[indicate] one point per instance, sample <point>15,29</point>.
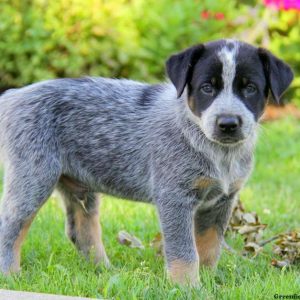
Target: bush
<point>285,42</point>
<point>47,39</point>
<point>43,39</point>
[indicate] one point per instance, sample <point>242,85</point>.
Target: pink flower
<point>283,4</point>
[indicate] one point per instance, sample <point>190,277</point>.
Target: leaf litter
<point>286,246</point>
<point>247,224</point>
<point>250,227</point>
<point>127,239</point>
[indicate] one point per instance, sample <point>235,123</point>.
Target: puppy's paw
<point>184,273</point>
<point>7,269</point>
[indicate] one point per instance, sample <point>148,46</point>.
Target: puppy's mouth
<point>228,140</point>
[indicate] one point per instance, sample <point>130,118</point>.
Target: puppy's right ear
<point>180,67</point>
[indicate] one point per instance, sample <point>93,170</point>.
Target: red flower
<point>205,14</point>
<point>219,16</point>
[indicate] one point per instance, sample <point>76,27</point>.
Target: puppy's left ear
<point>278,74</point>
<point>180,67</point>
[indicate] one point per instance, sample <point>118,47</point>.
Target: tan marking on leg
<point>15,267</point>
<point>204,183</point>
<point>88,236</point>
<point>208,246</point>
<point>182,272</point>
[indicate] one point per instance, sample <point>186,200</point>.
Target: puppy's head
<point>228,83</point>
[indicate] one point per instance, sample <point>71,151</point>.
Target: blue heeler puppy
<point>185,146</point>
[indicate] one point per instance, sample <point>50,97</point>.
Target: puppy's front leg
<point>180,250</point>
<point>210,226</point>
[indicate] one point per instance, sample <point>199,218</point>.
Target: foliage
<point>279,31</point>
<point>285,42</point>
<point>43,39</point>
<point>46,39</point>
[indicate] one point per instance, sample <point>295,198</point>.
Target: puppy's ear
<point>180,67</point>
<point>278,74</point>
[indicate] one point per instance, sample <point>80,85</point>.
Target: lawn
<point>51,264</point>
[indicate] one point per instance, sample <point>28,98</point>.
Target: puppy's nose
<point>228,123</point>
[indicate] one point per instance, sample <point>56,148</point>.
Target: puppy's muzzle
<point>228,128</point>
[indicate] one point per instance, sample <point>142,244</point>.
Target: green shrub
<point>285,42</point>
<point>47,39</point>
<point>43,39</point>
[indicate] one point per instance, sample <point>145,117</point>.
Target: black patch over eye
<point>250,89</point>
<point>207,89</point>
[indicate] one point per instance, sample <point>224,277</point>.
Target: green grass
<point>51,264</point>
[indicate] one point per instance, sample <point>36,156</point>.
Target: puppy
<point>185,146</point>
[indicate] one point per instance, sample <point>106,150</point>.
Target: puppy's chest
<point>211,190</point>
<point>208,188</point>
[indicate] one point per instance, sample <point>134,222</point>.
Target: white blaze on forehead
<point>226,102</point>
<point>227,56</point>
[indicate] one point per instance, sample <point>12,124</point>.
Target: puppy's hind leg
<point>82,223</point>
<point>25,190</point>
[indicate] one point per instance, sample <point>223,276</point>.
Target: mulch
<point>274,113</point>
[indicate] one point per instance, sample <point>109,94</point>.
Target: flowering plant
<point>283,4</point>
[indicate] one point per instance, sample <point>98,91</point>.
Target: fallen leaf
<point>157,244</point>
<point>247,229</point>
<point>125,238</point>
<point>248,225</point>
<point>287,246</point>
<point>249,218</point>
<point>280,263</point>
<point>253,248</point>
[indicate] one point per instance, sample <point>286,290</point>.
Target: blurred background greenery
<point>41,39</point>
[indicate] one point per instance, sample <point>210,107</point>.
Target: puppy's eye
<point>207,89</point>
<point>250,89</point>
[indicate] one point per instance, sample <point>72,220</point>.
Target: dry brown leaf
<point>237,215</point>
<point>287,246</point>
<point>125,238</point>
<point>249,229</point>
<point>280,263</point>
<point>248,225</point>
<point>157,244</point>
<point>249,218</point>
<point>252,248</point>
